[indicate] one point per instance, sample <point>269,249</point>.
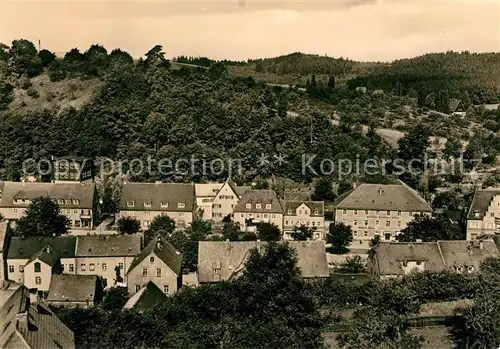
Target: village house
<point>145,201</point>
<point>225,201</point>
<point>27,324</point>
<point>205,194</point>
<point>77,201</point>
<point>456,107</point>
<point>307,213</point>
<point>224,260</point>
<point>33,261</point>
<point>146,298</point>
<point>73,168</point>
<point>101,254</point>
<point>483,217</point>
<point>159,262</point>
<point>82,291</point>
<point>394,259</point>
<point>378,209</point>
<point>258,206</point>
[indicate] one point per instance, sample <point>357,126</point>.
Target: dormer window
<point>268,206</point>
<point>131,203</point>
<point>147,203</point>
<point>164,205</point>
<point>60,201</point>
<point>248,205</point>
<point>316,211</point>
<point>289,211</point>
<point>181,205</point>
<point>259,206</point>
<point>67,202</point>
<point>75,201</point>
<point>470,269</point>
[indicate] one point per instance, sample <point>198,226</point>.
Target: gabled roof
<point>108,245</point>
<point>163,250</point>
<point>44,330</point>
<point>453,104</point>
<point>390,197</point>
<point>83,192</point>
<point>157,193</point>
<point>46,255</point>
<point>72,288</point>
<point>312,205</point>
<point>262,197</point>
<point>481,201</point>
<point>146,298</point>
<point>230,257</point>
<point>438,256</point>
<point>21,248</point>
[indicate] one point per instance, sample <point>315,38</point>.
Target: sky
<point>365,30</point>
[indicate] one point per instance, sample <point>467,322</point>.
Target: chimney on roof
<point>380,191</point>
<point>47,249</point>
<point>418,240</point>
<point>158,243</point>
<point>476,213</point>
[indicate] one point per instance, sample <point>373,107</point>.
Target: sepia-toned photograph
<point>249,174</point>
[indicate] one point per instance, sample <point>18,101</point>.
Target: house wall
<point>205,203</point>
<point>8,312</point>
<point>80,218</point>
<point>366,224</point>
<point>486,225</point>
<point>182,219</point>
<point>303,217</point>
<point>135,278</point>
<point>30,275</point>
<point>274,218</point>
<point>103,266</point>
<point>224,203</point>
<point>71,304</point>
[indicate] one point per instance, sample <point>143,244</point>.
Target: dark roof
<point>481,202</point>
<point>4,229</point>
<point>157,193</point>
<point>44,330</point>
<point>20,248</point>
<point>438,256</point>
<point>108,245</point>
<point>453,104</point>
<point>83,192</point>
<point>261,197</point>
<point>72,288</point>
<point>163,250</point>
<point>391,197</point>
<point>146,298</point>
<point>46,255</point>
<point>237,190</point>
<point>230,257</point>
<point>453,215</point>
<point>312,205</point>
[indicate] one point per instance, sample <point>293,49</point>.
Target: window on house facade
<point>71,268</point>
<point>91,267</point>
<point>410,213</point>
<point>181,204</point>
<point>273,216</point>
<point>38,280</point>
<point>11,268</point>
<point>165,289</point>
<point>104,267</point>
<point>137,288</point>
<point>492,214</point>
<point>355,222</point>
<point>344,211</point>
<point>60,201</point>
<point>387,223</point>
<point>399,213</point>
<point>216,270</point>
<point>158,272</point>
<point>366,222</point>
<point>365,233</point>
<point>131,203</point>
<point>78,224</point>
<point>266,215</point>
<point>14,210</point>
<point>144,272</point>
<point>355,233</point>
<point>151,259</point>
<point>355,212</point>
<point>21,268</point>
<point>120,265</point>
<point>83,267</point>
<point>388,213</point>
<point>399,223</point>
<point>75,211</point>
<point>37,267</point>
<point>164,205</point>
<point>366,212</point>
<point>289,211</point>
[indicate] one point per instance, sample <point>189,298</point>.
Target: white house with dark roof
<point>379,209</point>
<point>40,268</point>
<point>483,217</point>
<point>224,260</point>
<point>395,259</point>
<point>258,206</point>
<point>158,262</point>
<point>145,201</point>
<point>100,254</point>
<point>225,201</point>
<point>77,201</point>
<point>307,213</point>
<point>205,194</point>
